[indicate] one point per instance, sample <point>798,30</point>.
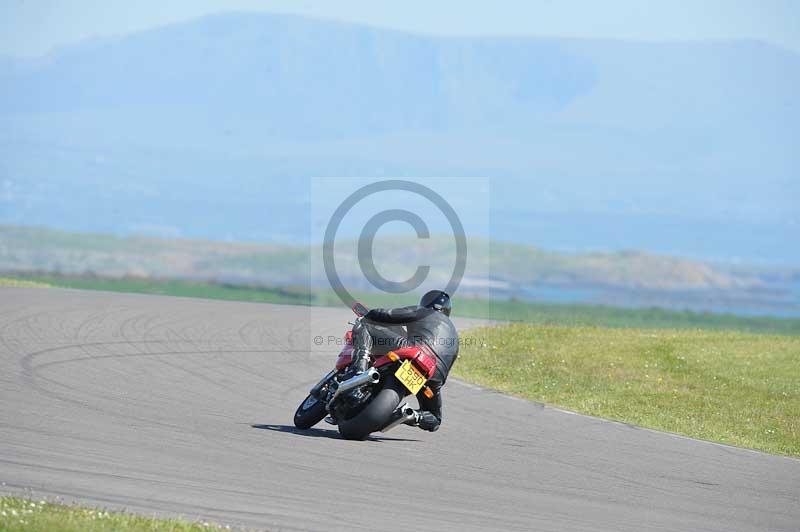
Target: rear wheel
<point>376,414</point>
<point>309,413</point>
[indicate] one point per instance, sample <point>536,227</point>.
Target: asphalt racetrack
<point>177,406</point>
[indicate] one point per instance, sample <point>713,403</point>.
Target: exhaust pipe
<point>402,414</point>
<point>371,376</point>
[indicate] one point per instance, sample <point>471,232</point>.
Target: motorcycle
<point>361,403</point>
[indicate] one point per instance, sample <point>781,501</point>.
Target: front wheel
<point>376,414</point>
<point>309,413</point>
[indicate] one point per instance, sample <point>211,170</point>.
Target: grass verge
<point>501,310</point>
<point>20,514</point>
<point>731,387</point>
<point>22,283</point>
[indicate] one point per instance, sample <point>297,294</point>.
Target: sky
<point>34,27</point>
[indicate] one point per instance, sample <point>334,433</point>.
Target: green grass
<point>514,310</point>
<point>41,516</point>
<point>605,316</point>
<point>141,285</point>
<point>22,283</point>
<point>731,387</point>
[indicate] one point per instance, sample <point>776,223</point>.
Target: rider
<point>427,323</point>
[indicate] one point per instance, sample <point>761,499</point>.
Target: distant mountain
<point>211,128</point>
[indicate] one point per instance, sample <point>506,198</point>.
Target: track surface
<point>182,406</point>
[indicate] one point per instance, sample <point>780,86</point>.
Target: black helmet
<point>437,300</point>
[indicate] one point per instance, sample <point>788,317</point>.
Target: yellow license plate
<point>410,377</point>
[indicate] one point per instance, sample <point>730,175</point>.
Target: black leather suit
<point>381,331</point>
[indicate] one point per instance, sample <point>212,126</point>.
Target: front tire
<point>309,413</point>
<point>376,414</point>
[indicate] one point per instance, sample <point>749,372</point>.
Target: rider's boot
<point>425,420</point>
<point>413,421</point>
<point>361,360</point>
<point>362,345</point>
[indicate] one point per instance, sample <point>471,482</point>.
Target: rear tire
<point>309,413</point>
<point>376,414</point>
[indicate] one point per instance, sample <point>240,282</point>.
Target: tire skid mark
<point>187,483</point>
<point>32,376</point>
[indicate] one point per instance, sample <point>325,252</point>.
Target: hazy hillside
<point>494,269</point>
<point>209,129</point>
